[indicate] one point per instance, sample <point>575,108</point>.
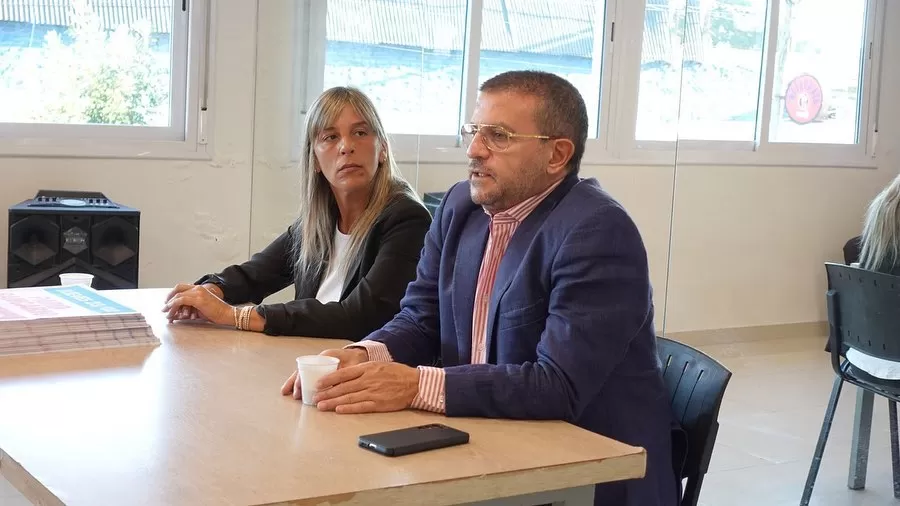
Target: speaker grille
<point>34,239</point>
<point>112,240</point>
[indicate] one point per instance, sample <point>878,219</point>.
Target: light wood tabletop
<point>200,419</point>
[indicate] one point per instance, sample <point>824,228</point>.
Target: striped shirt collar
<point>521,210</point>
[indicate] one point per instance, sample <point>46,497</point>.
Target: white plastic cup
<point>311,368</point>
<point>76,278</point>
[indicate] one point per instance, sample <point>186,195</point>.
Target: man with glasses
<point>532,298</point>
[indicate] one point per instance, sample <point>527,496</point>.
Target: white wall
<point>748,246</point>
<point>275,176</point>
<point>187,226</point>
<point>749,242</point>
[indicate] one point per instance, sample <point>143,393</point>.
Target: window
<point>660,75</point>
<point>704,67</point>
<point>97,69</point>
<point>407,56</point>
<point>777,82</point>
<point>701,68</point>
<point>537,34</point>
<point>819,64</point>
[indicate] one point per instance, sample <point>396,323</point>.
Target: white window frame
<point>761,152</point>
<point>620,45</point>
<point>188,137</point>
<point>428,149</point>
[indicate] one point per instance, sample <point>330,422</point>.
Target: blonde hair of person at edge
<point>352,250</point>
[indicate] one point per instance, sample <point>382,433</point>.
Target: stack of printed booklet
<point>72,317</point>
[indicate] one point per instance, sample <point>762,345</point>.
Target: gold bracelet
<point>234,311</point>
<point>245,317</point>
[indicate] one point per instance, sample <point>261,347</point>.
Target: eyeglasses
<point>495,138</point>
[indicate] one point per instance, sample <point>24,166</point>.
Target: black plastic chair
<point>863,314</point>
<point>851,255</point>
<point>696,385</point>
<point>433,200</point>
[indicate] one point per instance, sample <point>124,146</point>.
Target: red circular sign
<point>803,99</point>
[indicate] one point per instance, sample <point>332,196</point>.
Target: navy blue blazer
<point>570,326</point>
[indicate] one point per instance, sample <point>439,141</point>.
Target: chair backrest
<point>863,311</point>
<point>432,201</point>
<point>696,384</point>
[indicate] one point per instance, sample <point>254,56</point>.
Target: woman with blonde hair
<point>880,251</point>
<point>349,255</point>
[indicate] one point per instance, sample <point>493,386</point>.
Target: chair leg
<point>823,438</point>
<point>862,436</point>
<point>895,448</point>
<point>692,492</point>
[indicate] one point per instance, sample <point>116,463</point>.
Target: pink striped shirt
<point>432,387</point>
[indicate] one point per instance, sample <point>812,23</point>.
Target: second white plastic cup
<point>311,368</point>
<point>76,278</point>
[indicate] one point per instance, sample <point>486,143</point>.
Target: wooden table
<point>200,420</point>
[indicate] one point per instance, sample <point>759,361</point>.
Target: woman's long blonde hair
<point>880,249</point>
<point>313,231</point>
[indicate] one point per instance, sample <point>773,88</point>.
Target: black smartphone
<point>413,439</point>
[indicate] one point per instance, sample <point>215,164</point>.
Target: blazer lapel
<point>308,285</point>
<point>515,250</point>
<point>352,276</point>
<point>472,243</point>
<point>509,264</point>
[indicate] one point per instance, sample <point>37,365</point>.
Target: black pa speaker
<point>69,231</point>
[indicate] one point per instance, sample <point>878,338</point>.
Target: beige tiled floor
<point>770,421</point>
<point>769,424</point>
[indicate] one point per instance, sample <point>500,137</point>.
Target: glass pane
<point>406,55</point>
<point>818,68</point>
<point>660,78</point>
<point>539,35</point>
<point>701,65</point>
<point>80,62</point>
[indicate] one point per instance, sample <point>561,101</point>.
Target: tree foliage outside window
<point>87,75</point>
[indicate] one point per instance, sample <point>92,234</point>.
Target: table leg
<point>579,496</point>
<point>862,433</point>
